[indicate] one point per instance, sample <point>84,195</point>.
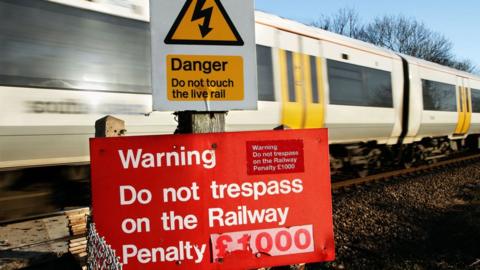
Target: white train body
<point>346,123</point>
<point>457,120</point>
<point>308,78</point>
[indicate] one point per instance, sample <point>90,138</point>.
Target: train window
<point>439,96</point>
<point>313,75</point>
<point>265,73</point>
<point>292,95</point>
<point>48,45</point>
<point>475,100</point>
<point>355,85</point>
<point>379,85</point>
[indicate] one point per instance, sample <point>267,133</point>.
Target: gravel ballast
<point>430,221</point>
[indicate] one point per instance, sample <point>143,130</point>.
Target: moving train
<point>67,63</point>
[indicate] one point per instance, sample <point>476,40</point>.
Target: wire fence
<point>101,256</point>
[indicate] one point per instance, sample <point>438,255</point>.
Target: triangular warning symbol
<point>203,22</point>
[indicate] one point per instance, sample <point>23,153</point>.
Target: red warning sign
<point>214,201</point>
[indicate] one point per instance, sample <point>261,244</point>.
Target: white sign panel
<point>203,54</point>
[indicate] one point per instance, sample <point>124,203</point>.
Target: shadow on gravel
<point>66,262</point>
<point>41,261</point>
<point>450,240</point>
<point>411,236</point>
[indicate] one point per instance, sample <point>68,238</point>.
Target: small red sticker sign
<point>241,200</point>
<point>275,157</point>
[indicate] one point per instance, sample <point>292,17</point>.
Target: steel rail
<point>388,175</point>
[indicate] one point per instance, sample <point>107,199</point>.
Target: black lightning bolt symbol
<point>206,14</point>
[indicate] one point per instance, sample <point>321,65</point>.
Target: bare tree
<point>465,65</point>
<point>408,36</point>
<point>398,33</point>
<point>345,22</point>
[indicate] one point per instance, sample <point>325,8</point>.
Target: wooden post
<point>200,122</point>
<point>109,126</point>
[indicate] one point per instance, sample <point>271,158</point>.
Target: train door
<point>314,83</point>
<point>464,107</point>
<point>468,103</point>
<point>292,80</point>
<point>302,86</point>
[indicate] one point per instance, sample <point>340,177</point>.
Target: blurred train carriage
<point>66,63</point>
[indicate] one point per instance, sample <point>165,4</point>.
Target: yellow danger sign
<point>205,77</point>
<point>204,22</point>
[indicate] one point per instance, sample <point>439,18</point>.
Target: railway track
<point>403,172</point>
<point>31,192</point>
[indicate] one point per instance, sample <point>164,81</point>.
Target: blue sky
<point>456,20</point>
